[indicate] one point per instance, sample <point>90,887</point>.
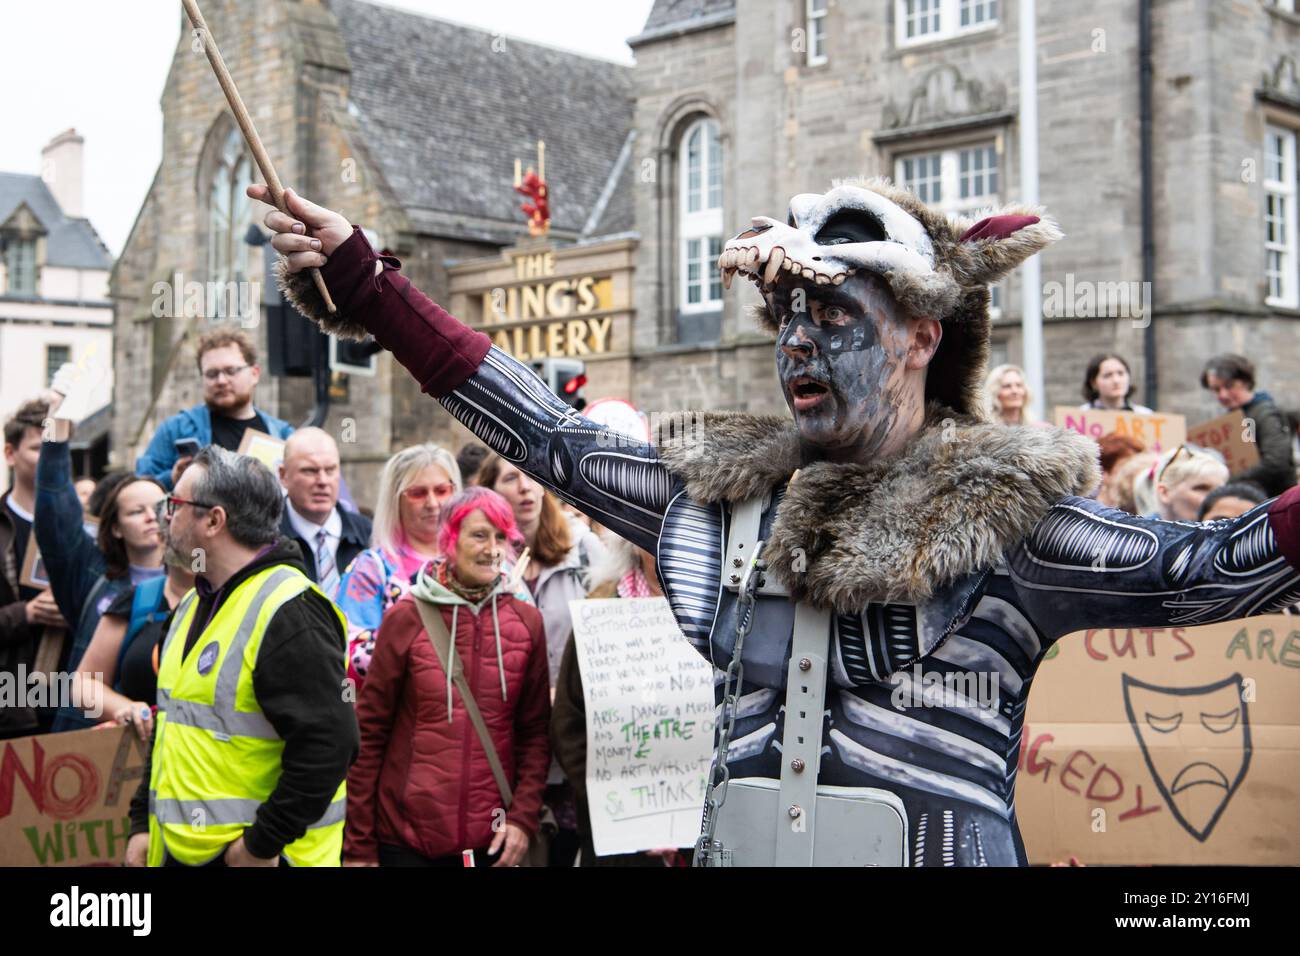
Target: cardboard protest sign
<point>33,573</point>
<point>64,798</point>
<point>1165,746</point>
<point>649,701</point>
<point>1159,432</point>
<point>1227,435</point>
<point>269,451</point>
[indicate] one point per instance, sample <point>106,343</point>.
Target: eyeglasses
<point>420,492</point>
<point>167,507</point>
<point>230,371</point>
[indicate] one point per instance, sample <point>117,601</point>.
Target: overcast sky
<point>100,65</point>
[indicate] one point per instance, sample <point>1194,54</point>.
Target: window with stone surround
<point>1281,266</point>
<point>55,358</point>
<point>700,217</point>
<point>815,20</point>
<point>960,181</point>
<point>924,21</point>
<point>1288,5</point>
<point>229,171</point>
<point>20,265</point>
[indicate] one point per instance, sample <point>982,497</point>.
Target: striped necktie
<point>327,572</point>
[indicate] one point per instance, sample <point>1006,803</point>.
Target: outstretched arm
<point>1087,566</point>
<point>617,481</point>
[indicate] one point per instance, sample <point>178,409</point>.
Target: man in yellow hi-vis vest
<point>255,727</point>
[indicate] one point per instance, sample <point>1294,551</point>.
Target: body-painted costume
<point>968,553</point>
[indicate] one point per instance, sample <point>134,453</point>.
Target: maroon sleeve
<point>376,710</point>
<point>1284,519</point>
<point>532,726</point>
<point>435,347</point>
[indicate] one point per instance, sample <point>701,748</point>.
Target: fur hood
<point>846,535</point>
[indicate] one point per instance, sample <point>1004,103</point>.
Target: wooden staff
<point>246,126</point>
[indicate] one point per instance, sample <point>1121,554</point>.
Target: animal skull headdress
<point>937,266</point>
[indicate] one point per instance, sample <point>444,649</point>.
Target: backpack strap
<point>144,607</point>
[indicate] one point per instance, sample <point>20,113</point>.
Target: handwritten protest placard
<point>649,724</point>
<point>1159,432</point>
<point>1227,435</point>
<point>64,798</point>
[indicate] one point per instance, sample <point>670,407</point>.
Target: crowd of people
<point>1186,483</point>
<point>398,684</point>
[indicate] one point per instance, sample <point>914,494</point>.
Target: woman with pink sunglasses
<point>412,488</point>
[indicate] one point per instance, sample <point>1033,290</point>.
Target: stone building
<point>799,94</point>
<point>54,304</point>
<point>406,124</point>
<point>411,126</point>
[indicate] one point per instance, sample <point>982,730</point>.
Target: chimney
<point>61,170</point>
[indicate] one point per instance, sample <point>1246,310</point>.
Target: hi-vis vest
<point>216,757</point>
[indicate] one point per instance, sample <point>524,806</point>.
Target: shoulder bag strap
<point>445,648</point>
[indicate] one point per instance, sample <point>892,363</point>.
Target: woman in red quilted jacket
<point>423,791</point>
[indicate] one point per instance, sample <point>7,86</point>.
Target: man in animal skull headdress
<point>912,553</point>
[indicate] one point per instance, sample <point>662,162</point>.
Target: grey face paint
<point>835,365</point>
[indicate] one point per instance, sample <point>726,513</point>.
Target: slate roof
<point>69,243</point>
<point>671,17</point>
<point>445,116</point>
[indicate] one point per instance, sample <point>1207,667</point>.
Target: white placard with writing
<point>649,701</point>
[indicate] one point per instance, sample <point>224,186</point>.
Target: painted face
<point>839,354</point>
<point>842,339</point>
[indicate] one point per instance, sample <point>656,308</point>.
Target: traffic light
<point>564,377</point>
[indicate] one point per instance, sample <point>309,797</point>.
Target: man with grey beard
<point>255,729</point>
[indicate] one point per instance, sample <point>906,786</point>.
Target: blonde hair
<point>1173,468</point>
<point>399,471</point>
<point>993,384</point>
<point>1124,485</point>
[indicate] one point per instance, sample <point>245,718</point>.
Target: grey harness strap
<point>743,535</point>
<point>801,743</point>
<point>805,694</point>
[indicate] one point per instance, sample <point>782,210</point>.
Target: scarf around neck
<point>474,595</point>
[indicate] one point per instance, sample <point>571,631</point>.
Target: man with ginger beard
<point>837,564</point>
<point>228,366</point>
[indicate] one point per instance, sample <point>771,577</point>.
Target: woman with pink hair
<point>425,790</point>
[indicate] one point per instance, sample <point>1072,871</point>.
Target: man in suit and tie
<point>328,536</point>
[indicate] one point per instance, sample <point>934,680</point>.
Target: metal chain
<point>708,851</point>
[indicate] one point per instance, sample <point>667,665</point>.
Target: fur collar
<point>900,529</point>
